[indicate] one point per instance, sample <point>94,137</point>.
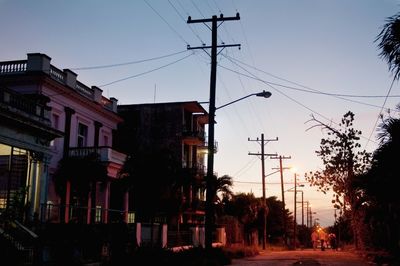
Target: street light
<point>315,221</point>
<point>210,219</point>
<point>265,94</point>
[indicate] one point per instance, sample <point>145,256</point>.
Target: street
<point>306,257</point>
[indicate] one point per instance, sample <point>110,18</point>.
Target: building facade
<point>25,154</point>
<point>167,140</point>
<point>81,122</point>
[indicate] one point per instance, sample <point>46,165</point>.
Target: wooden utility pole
<point>295,212</point>
<point>210,209</point>
<point>262,154</point>
<point>281,168</point>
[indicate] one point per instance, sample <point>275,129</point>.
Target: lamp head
<point>293,169</point>
<point>265,94</point>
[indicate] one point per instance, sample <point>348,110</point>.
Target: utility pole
<point>283,195</point>
<point>302,206</point>
<point>210,209</point>
<point>307,214</point>
<point>262,143</point>
<point>295,212</point>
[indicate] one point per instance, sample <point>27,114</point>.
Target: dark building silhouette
<point>166,144</point>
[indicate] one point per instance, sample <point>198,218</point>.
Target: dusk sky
<point>314,56</point>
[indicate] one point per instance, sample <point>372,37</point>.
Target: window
<point>98,214</point>
<point>131,217</point>
<point>82,135</point>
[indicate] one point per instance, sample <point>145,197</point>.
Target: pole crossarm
<point>283,157</point>
<point>220,18</point>
<point>265,154</point>
<point>208,46</point>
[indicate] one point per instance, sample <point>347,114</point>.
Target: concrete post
<point>97,94</point>
<point>70,78</point>
<point>195,236</point>
<point>221,235</point>
<point>202,237</point>
<point>114,104</point>
<point>139,234</point>
<point>38,62</point>
<point>164,236</point>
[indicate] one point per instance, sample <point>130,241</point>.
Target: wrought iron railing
<point>21,66</point>
<point>23,103</point>
<point>106,154</point>
<point>52,213</point>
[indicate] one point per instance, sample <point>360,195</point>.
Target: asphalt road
<point>307,257</point>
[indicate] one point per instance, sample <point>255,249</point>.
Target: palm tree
<point>380,189</point>
<point>389,43</point>
<point>223,186</point>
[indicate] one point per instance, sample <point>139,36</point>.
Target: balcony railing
<point>51,213</point>
<point>13,67</point>
<point>21,66</point>
<point>204,147</point>
<point>25,104</point>
<point>195,168</point>
<point>200,134</point>
<point>107,154</point>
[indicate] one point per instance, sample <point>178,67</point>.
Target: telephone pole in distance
<point>262,142</point>
<point>283,195</point>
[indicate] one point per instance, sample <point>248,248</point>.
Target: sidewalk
<point>303,257</point>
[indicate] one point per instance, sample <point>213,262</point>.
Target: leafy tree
<point>389,43</point>
<point>344,162</point>
<point>249,210</point>
<point>246,207</point>
<point>274,219</point>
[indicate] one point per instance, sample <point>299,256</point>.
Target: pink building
<point>87,120</point>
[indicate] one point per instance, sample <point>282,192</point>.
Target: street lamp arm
<point>265,94</point>
<point>291,189</point>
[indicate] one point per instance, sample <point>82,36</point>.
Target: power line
<point>247,166</point>
<point>270,84</point>
<point>380,113</point>
<point>197,8</point>
<point>128,63</point>
<point>179,14</point>
<point>166,22</point>
<point>146,72</point>
<point>308,89</point>
<point>287,96</point>
<point>268,183</point>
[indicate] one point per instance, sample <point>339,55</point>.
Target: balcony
<point>107,154</point>
<point>193,137</point>
<point>24,106</point>
<point>195,169</point>
<point>203,147</point>
<point>41,63</point>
